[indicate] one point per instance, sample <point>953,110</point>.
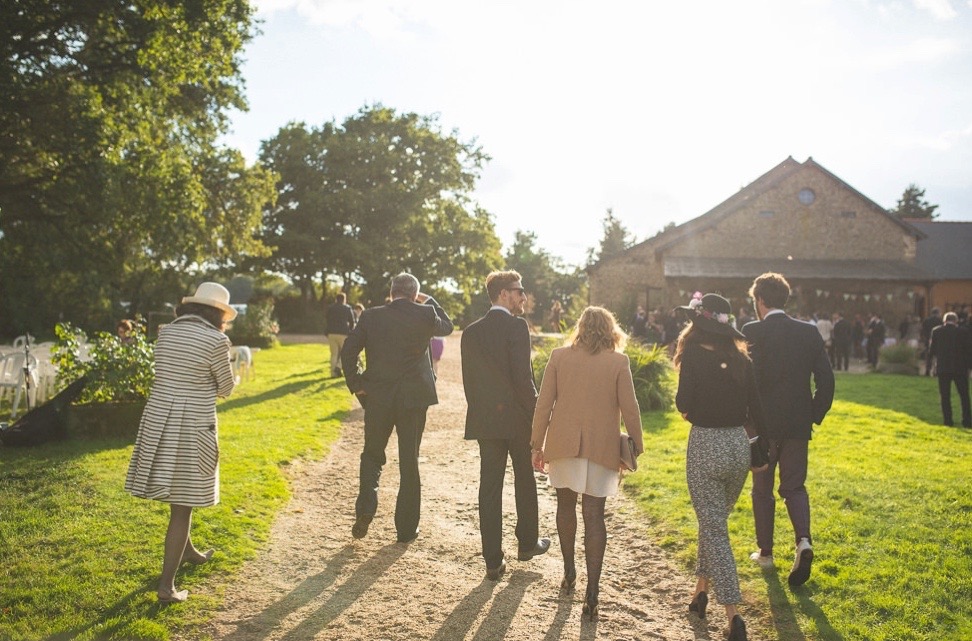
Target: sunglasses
<point>515,289</point>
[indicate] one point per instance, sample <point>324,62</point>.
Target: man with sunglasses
<point>501,394</point>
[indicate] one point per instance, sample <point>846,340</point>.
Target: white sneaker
<point>765,562</point>
<point>801,563</point>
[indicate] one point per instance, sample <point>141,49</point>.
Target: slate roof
<point>885,270</point>
<point>946,251</point>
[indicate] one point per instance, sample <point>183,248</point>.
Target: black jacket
<point>952,346</point>
<point>395,338</point>
<point>340,319</point>
<point>786,354</point>
<point>498,378</point>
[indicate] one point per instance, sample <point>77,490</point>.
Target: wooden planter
<point>100,420</point>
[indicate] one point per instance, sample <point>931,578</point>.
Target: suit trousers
<point>409,422</point>
<point>492,472</point>
<point>945,391</point>
<point>791,457</point>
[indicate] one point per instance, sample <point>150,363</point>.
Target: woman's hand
<point>538,460</point>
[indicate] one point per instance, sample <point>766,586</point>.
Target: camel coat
<point>582,399</point>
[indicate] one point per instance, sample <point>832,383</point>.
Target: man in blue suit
<point>786,354</point>
<point>395,391</point>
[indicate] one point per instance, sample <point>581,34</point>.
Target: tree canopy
<point>112,185</point>
<point>614,240</point>
<point>912,204</point>
<point>378,194</point>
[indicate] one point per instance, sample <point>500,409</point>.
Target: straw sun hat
<point>214,295</point>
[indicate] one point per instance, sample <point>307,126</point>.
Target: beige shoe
<point>765,562</point>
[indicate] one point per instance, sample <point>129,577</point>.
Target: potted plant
<point>119,373</point>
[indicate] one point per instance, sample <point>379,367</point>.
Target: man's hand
<point>421,298</point>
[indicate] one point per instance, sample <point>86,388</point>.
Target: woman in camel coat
<point>587,389</point>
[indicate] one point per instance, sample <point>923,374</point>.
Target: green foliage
<point>257,327</point>
<point>912,204</point>
<point>379,194</point>
<point>546,279</point>
<point>651,370</point>
<point>899,354</point>
<point>113,185</point>
<point>116,370</point>
<point>887,485</point>
<point>82,557</point>
<point>614,241</point>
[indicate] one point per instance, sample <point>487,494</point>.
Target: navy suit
<point>787,354</point>
<point>399,386</point>
<point>498,381</point>
<point>951,347</point>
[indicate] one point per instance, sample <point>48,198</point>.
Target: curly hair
<point>597,329</point>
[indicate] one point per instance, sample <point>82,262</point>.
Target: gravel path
<point>314,581</point>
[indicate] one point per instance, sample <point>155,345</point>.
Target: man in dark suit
<point>951,346</point>
<point>395,390</point>
<point>786,354</point>
<point>340,321</point>
<point>498,381</point>
<point>842,342</point>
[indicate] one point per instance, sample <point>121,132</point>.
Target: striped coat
<point>176,455</point>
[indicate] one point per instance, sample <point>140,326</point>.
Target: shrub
<point>257,327</point>
<point>651,369</point>
<point>116,370</point>
<point>899,358</point>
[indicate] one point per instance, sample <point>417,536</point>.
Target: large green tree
<point>614,239</point>
<point>546,278</point>
<point>112,184</point>
<point>380,193</point>
<point>912,204</point>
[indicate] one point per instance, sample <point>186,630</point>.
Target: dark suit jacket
<point>952,346</point>
<point>340,319</point>
<point>395,338</point>
<point>498,378</point>
<point>786,354</point>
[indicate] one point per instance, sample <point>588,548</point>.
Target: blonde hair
<point>597,329</point>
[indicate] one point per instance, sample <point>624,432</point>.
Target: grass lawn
<point>891,508</point>
<point>81,558</point>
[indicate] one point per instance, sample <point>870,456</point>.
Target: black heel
<point>699,604</point>
<point>590,605</point>
<point>570,578</point>
<point>737,629</point>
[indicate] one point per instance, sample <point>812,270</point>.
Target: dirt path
<point>315,582</point>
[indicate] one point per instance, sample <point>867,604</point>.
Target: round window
<point>806,196</point>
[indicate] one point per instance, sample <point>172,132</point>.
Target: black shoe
<point>699,604</point>
<point>360,528</point>
<point>540,548</point>
<point>590,605</point>
<point>801,564</point>
<point>493,574</point>
<point>737,629</point>
<point>408,538</point>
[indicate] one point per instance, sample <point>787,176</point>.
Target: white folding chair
<point>13,382</point>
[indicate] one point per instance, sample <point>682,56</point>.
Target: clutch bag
<point>629,459</point>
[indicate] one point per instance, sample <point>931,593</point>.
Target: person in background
<point>587,388</point>
<point>841,342</point>
<point>639,325</point>
<point>876,332</point>
<point>436,349</point>
<point>340,322</point>
<point>933,320</point>
<point>787,355</point>
<point>951,347</point>
<point>176,454</point>
<point>717,394</point>
<point>826,328</point>
<point>125,330</point>
<point>357,308</point>
<point>857,337</point>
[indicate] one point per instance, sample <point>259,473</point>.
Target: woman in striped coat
<point>176,455</point>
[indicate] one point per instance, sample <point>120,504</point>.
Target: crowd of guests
<point>751,387</point>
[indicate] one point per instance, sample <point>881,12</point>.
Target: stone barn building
<point>838,249</point>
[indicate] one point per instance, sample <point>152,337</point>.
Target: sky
<point>657,110</point>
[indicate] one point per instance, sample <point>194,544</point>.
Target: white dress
<point>583,476</point>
